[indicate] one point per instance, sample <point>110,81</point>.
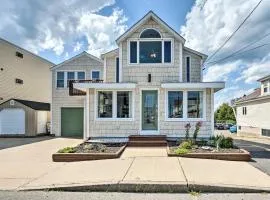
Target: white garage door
<point>12,121</point>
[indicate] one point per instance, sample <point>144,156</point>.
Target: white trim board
<point>105,85</point>
<point>215,85</point>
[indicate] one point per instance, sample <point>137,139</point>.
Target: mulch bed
<point>108,148</point>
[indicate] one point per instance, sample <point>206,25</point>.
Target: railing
<point>76,92</point>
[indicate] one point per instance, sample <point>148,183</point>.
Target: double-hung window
<point>60,79</point>
<point>175,104</point>
<point>81,76</point>
<point>70,77</point>
<point>150,48</point>
<point>95,75</point>
<point>114,104</point>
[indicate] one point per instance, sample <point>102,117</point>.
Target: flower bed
<point>208,152</point>
<point>89,151</point>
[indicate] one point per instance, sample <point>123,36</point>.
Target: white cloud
<point>58,25</point>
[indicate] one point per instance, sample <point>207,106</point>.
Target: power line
<point>257,47</point>
<point>235,31</point>
<point>239,50</point>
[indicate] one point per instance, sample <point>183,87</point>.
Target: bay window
<point>114,104</point>
<point>195,104</point>
<point>175,104</point>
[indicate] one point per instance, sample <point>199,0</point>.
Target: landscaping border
<point>245,156</point>
<point>73,157</point>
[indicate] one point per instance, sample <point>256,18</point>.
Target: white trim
<point>149,28</point>
<point>94,70</point>
<point>203,56</point>
<point>87,114</point>
<point>185,105</point>
<point>215,85</point>
<point>212,112</point>
<point>104,70</point>
<point>120,63</point>
<point>180,62</point>
<point>162,40</point>
<point>114,105</point>
<point>145,132</point>
<point>105,86</point>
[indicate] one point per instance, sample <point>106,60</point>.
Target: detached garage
<point>22,117</point>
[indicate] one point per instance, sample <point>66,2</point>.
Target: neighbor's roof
<point>84,53</point>
<point>32,104</point>
<point>254,96</point>
<point>148,16</point>
<point>264,78</point>
<point>22,49</point>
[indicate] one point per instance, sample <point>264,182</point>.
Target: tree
<point>224,113</point>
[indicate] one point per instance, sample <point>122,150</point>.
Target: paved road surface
<point>260,154</point>
<point>124,196</point>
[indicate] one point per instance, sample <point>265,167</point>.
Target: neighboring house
<point>152,84</point>
<point>24,77</point>
<point>252,111</point>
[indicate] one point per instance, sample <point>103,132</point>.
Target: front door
<point>149,110</point>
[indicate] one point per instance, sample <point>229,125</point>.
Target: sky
<point>58,30</point>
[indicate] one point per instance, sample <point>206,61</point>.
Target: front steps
<point>147,141</point>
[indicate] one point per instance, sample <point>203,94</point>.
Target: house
<point>24,77</point>
<point>150,85</point>
<point>23,118</point>
<point>252,111</point>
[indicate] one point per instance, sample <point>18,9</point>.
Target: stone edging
<point>245,156</point>
<point>72,157</point>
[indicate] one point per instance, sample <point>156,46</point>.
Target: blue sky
<point>58,30</point>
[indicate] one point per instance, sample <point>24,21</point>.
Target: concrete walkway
<point>30,167</point>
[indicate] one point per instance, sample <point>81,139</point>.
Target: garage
<point>23,118</point>
<point>12,121</point>
<point>72,122</point>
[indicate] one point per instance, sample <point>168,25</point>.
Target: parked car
<point>228,126</point>
<point>220,126</point>
<point>233,129</point>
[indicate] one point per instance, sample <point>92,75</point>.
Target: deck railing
<point>76,92</point>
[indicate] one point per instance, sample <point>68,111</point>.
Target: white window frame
<point>114,105</point>
<point>138,40</point>
<point>185,105</point>
<point>65,77</point>
<point>95,71</point>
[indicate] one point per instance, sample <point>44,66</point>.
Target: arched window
<point>150,33</point>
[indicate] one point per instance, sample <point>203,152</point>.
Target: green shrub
<point>227,143</point>
<point>186,145</point>
<point>221,141</point>
<point>181,151</point>
<point>67,150</point>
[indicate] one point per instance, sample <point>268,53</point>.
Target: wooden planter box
<point>244,156</point>
<point>73,157</point>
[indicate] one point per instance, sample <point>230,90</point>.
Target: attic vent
<point>12,103</point>
<point>18,54</point>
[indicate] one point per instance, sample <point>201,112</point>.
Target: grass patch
<point>67,150</point>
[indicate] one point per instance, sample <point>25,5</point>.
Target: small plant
<point>186,145</point>
<point>187,127</point>
<point>196,131</point>
<point>67,150</point>
<point>181,151</point>
<point>95,147</point>
<point>194,193</point>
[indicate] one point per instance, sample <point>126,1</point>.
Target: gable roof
<point>148,16</point>
<point>110,53</point>
<point>264,78</point>
<point>32,104</point>
<point>84,53</point>
<point>22,49</point>
<point>204,56</point>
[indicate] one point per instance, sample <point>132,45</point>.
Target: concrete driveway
<point>25,159</point>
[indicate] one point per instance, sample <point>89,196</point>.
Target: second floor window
<point>150,48</point>
<point>188,68</point>
<point>63,78</point>
<point>70,77</point>
<point>60,79</point>
<point>95,75</point>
